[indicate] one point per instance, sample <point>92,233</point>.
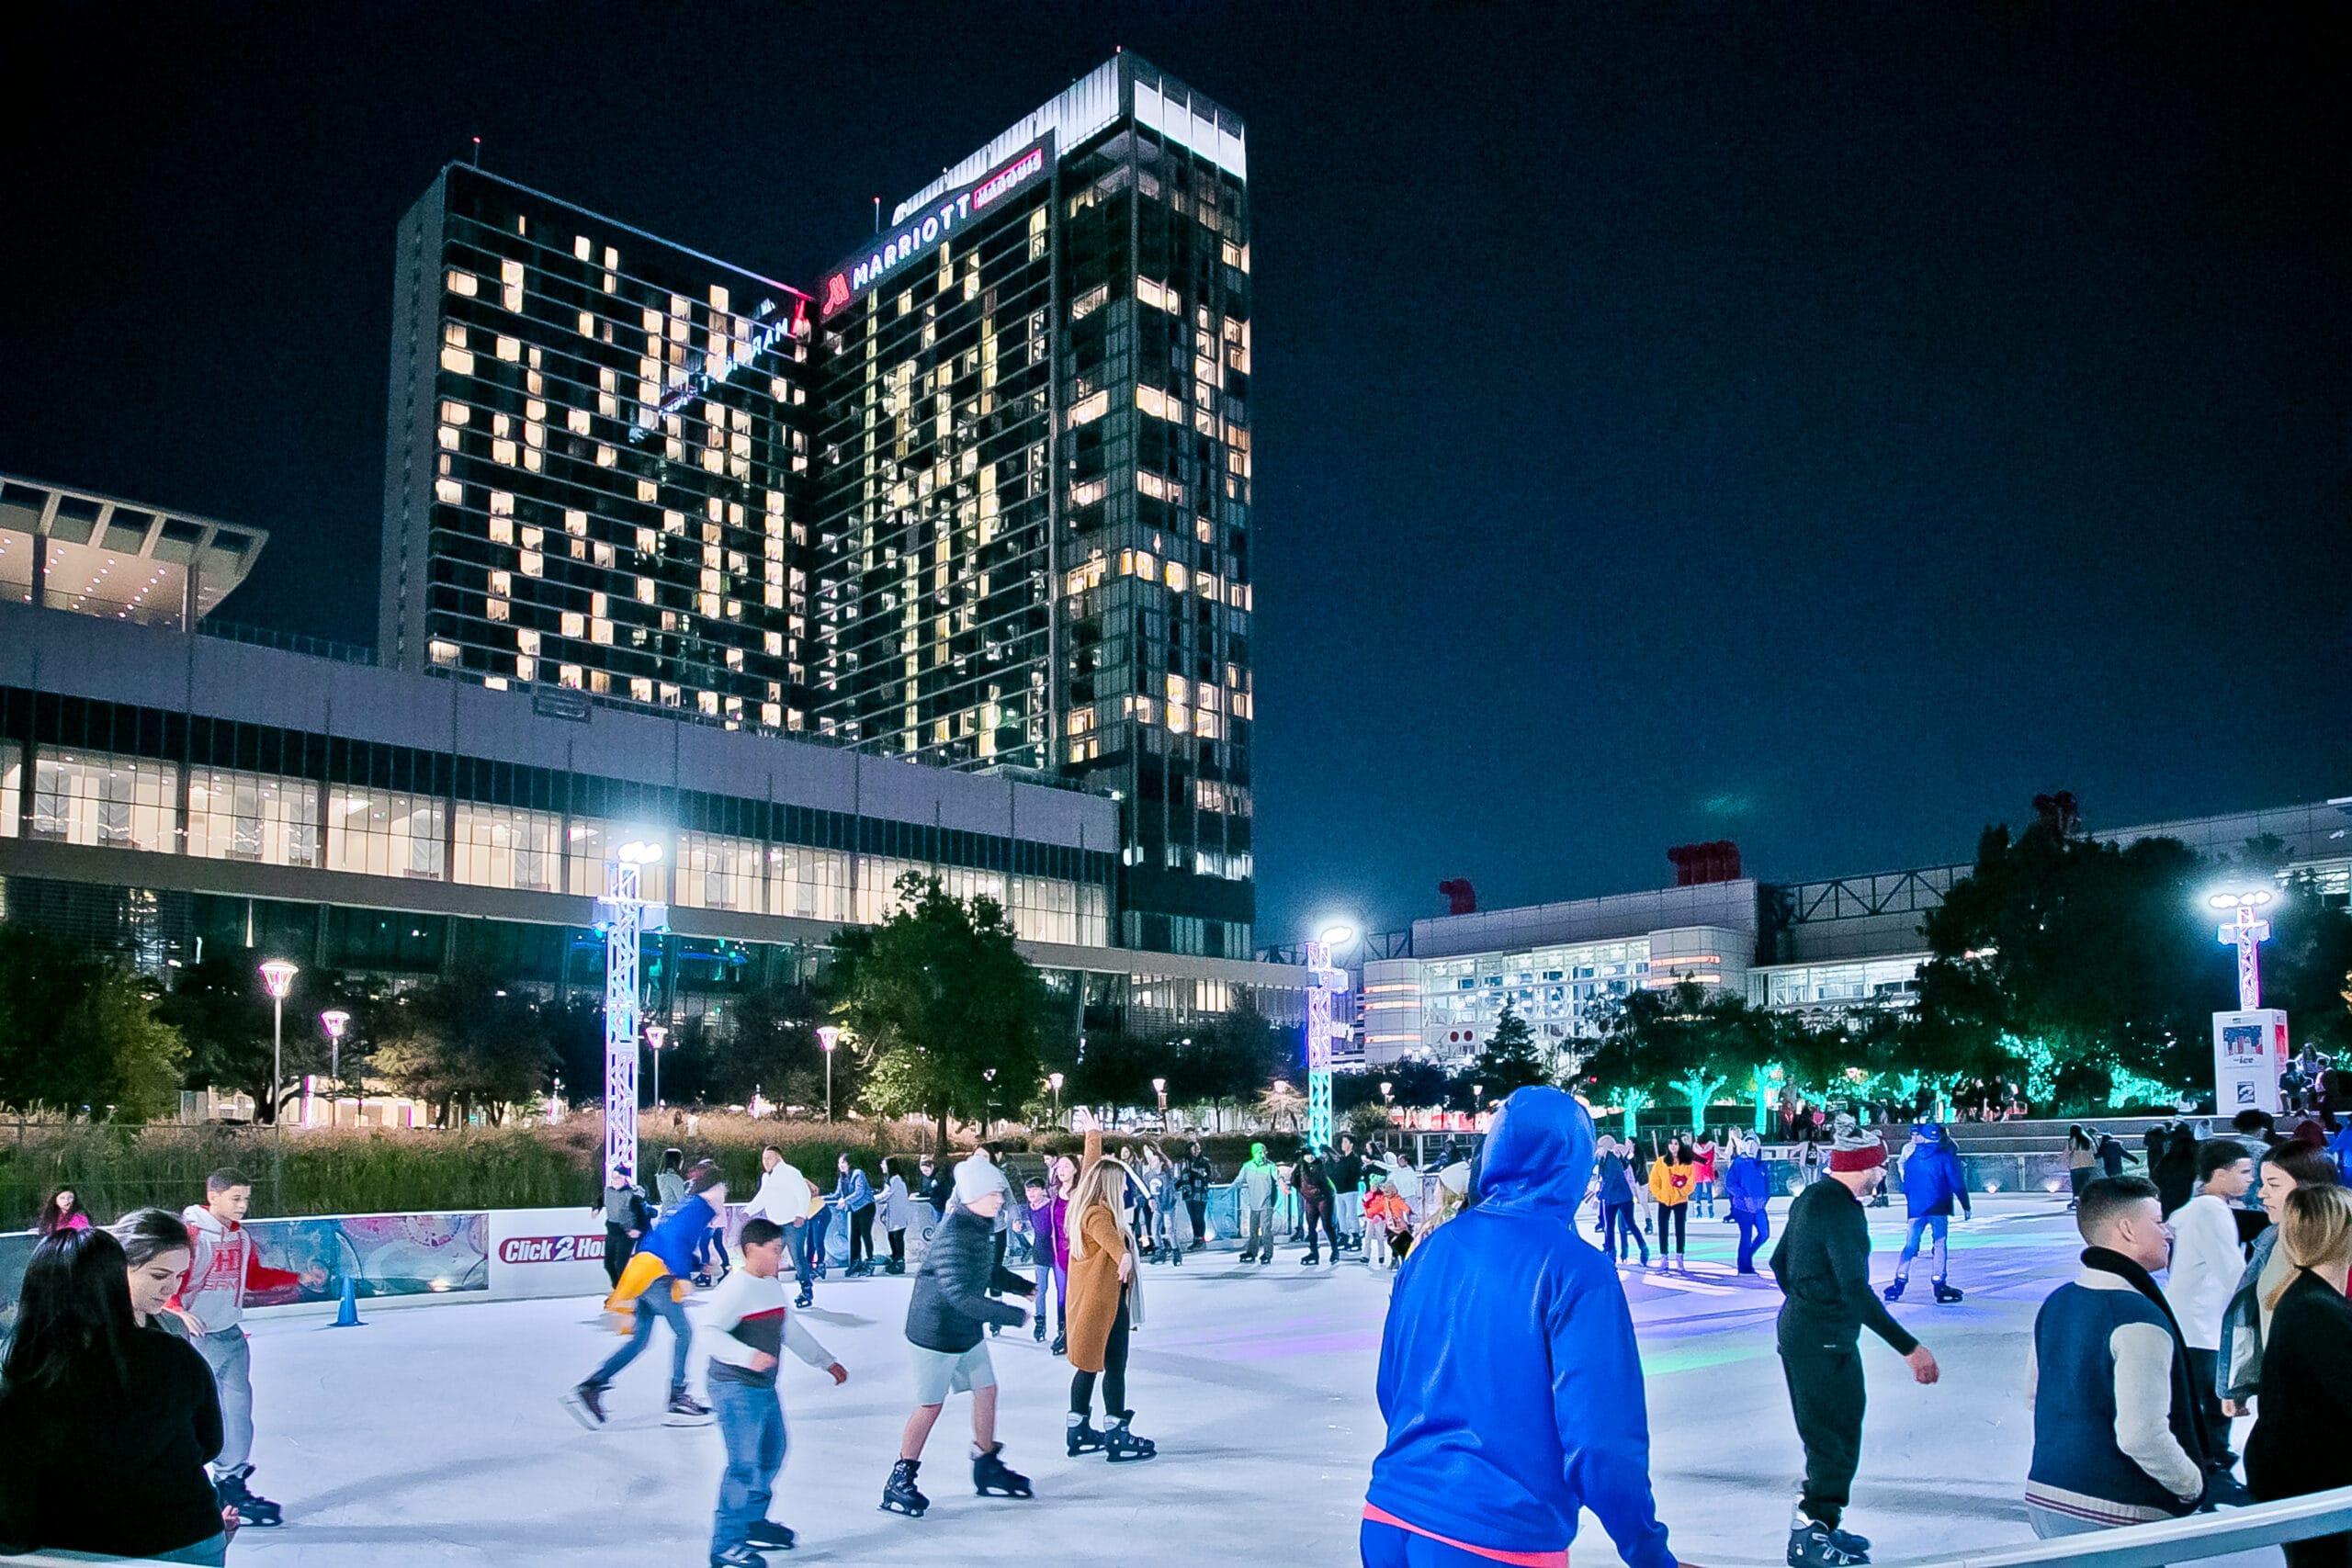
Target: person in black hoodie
<point>1347,1176</point>
<point>1193,1179</point>
<point>1317,1200</point>
<point>108,1430</point>
<point>2306,1366</point>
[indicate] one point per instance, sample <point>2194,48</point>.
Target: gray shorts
<point>939,1373</point>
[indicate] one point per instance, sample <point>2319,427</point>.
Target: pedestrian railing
<point>2171,1540</point>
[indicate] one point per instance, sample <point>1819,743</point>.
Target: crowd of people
<point>2211,1289</point>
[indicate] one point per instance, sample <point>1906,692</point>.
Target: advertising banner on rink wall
<point>547,1252</point>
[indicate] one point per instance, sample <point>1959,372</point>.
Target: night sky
<point>1823,427</point>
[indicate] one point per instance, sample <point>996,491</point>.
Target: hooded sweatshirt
<point>1256,1182</point>
<point>223,1266</point>
<point>1508,1370</point>
<point>1933,1179</point>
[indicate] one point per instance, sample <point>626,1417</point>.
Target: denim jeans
<point>231,1359</point>
<point>795,1240</point>
<point>1925,1225</point>
<point>751,1419</point>
<point>1617,1225</point>
<point>1754,1230</point>
<point>655,1302</point>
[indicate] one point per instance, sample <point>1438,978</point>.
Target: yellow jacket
<point>1671,1184</point>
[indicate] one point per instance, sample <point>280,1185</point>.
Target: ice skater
<point>744,1328</point>
<point>626,1221</point>
<point>1106,1305</point>
<point>950,1303</point>
<point>223,1266</point>
<point>1933,1181</point>
<point>1616,1188</point>
<point>1050,1265</point>
<point>1824,1267</point>
<point>1253,1190</point>
<point>655,1284</point>
<point>784,1199</point>
<point>1503,1422</point>
<point>1748,1193</point>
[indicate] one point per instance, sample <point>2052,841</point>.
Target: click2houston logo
<point>552,1249</point>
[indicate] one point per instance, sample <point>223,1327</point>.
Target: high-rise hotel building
<point>981,501</point>
<point>596,451</point>
<point>1032,465</point>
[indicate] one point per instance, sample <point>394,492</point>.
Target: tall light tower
<point>278,977</point>
<point>622,914</point>
<point>2250,1045</point>
<point>1323,982</point>
<point>2247,934</point>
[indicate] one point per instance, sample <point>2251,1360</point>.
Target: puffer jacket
<point>1509,1375</point>
<point>951,1303</point>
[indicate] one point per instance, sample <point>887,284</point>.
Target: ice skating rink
<point>434,1434</point>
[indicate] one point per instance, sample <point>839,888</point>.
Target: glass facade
<point>1035,491</point>
<point>1558,990</point>
<point>596,446</point>
<point>108,774</point>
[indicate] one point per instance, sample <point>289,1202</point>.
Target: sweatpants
<point>1386,1546</point>
<point>1754,1230</point>
<point>1260,1233</point>
<point>1826,1396</point>
<point>231,1359</point>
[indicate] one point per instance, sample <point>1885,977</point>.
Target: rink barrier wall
<point>2190,1539</point>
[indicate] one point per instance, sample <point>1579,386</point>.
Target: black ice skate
<point>252,1508</point>
<point>1893,1291</point>
<point>738,1557</point>
<point>899,1494</point>
<point>767,1533</point>
<point>1121,1445</point>
<point>685,1410</point>
<point>1037,1330</point>
<point>805,1300</point>
<point>586,1404</point>
<point>990,1478</point>
<point>1060,1345</point>
<point>1815,1545</point>
<point>1945,1294</point>
<point>1080,1435</point>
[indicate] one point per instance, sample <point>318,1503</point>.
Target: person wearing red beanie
<point>1824,1267</point>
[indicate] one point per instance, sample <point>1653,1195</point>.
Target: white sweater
<point>783,1196</point>
<point>2206,1263</point>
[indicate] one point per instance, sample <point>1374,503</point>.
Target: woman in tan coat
<point>1106,1302</point>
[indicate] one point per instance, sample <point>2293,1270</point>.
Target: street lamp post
<point>335,1021</point>
<point>654,1037</point>
<point>1159,1088</point>
<point>1054,1082</point>
<point>277,975</point>
<point>827,1038</point>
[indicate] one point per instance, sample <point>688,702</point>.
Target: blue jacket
<point>1614,1187</point>
<point>1748,1184</point>
<point>1932,1178</point>
<point>676,1235</point>
<point>853,1191</point>
<point>1509,1376</point>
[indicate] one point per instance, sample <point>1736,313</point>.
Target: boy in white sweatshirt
<point>2206,1262</point>
<point>744,1325</point>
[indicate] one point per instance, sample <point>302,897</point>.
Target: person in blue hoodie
<point>1933,1181</point>
<point>1508,1371</point>
<point>1747,1186</point>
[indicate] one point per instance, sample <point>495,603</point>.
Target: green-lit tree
<point>946,1015</point>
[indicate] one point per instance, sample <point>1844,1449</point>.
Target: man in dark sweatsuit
<point>1824,1267</point>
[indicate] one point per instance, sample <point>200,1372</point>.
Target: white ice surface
<point>432,1434</point>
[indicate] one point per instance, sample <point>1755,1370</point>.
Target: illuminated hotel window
<point>99,799</point>
<point>501,847</point>
<point>385,833</point>
<point>251,816</point>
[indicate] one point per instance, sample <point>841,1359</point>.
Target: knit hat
<point>976,1177</point>
<point>1851,1148</point>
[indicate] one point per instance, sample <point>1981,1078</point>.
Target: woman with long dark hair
<point>111,1427</point>
<point>156,1252</point>
<point>62,1212</point>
